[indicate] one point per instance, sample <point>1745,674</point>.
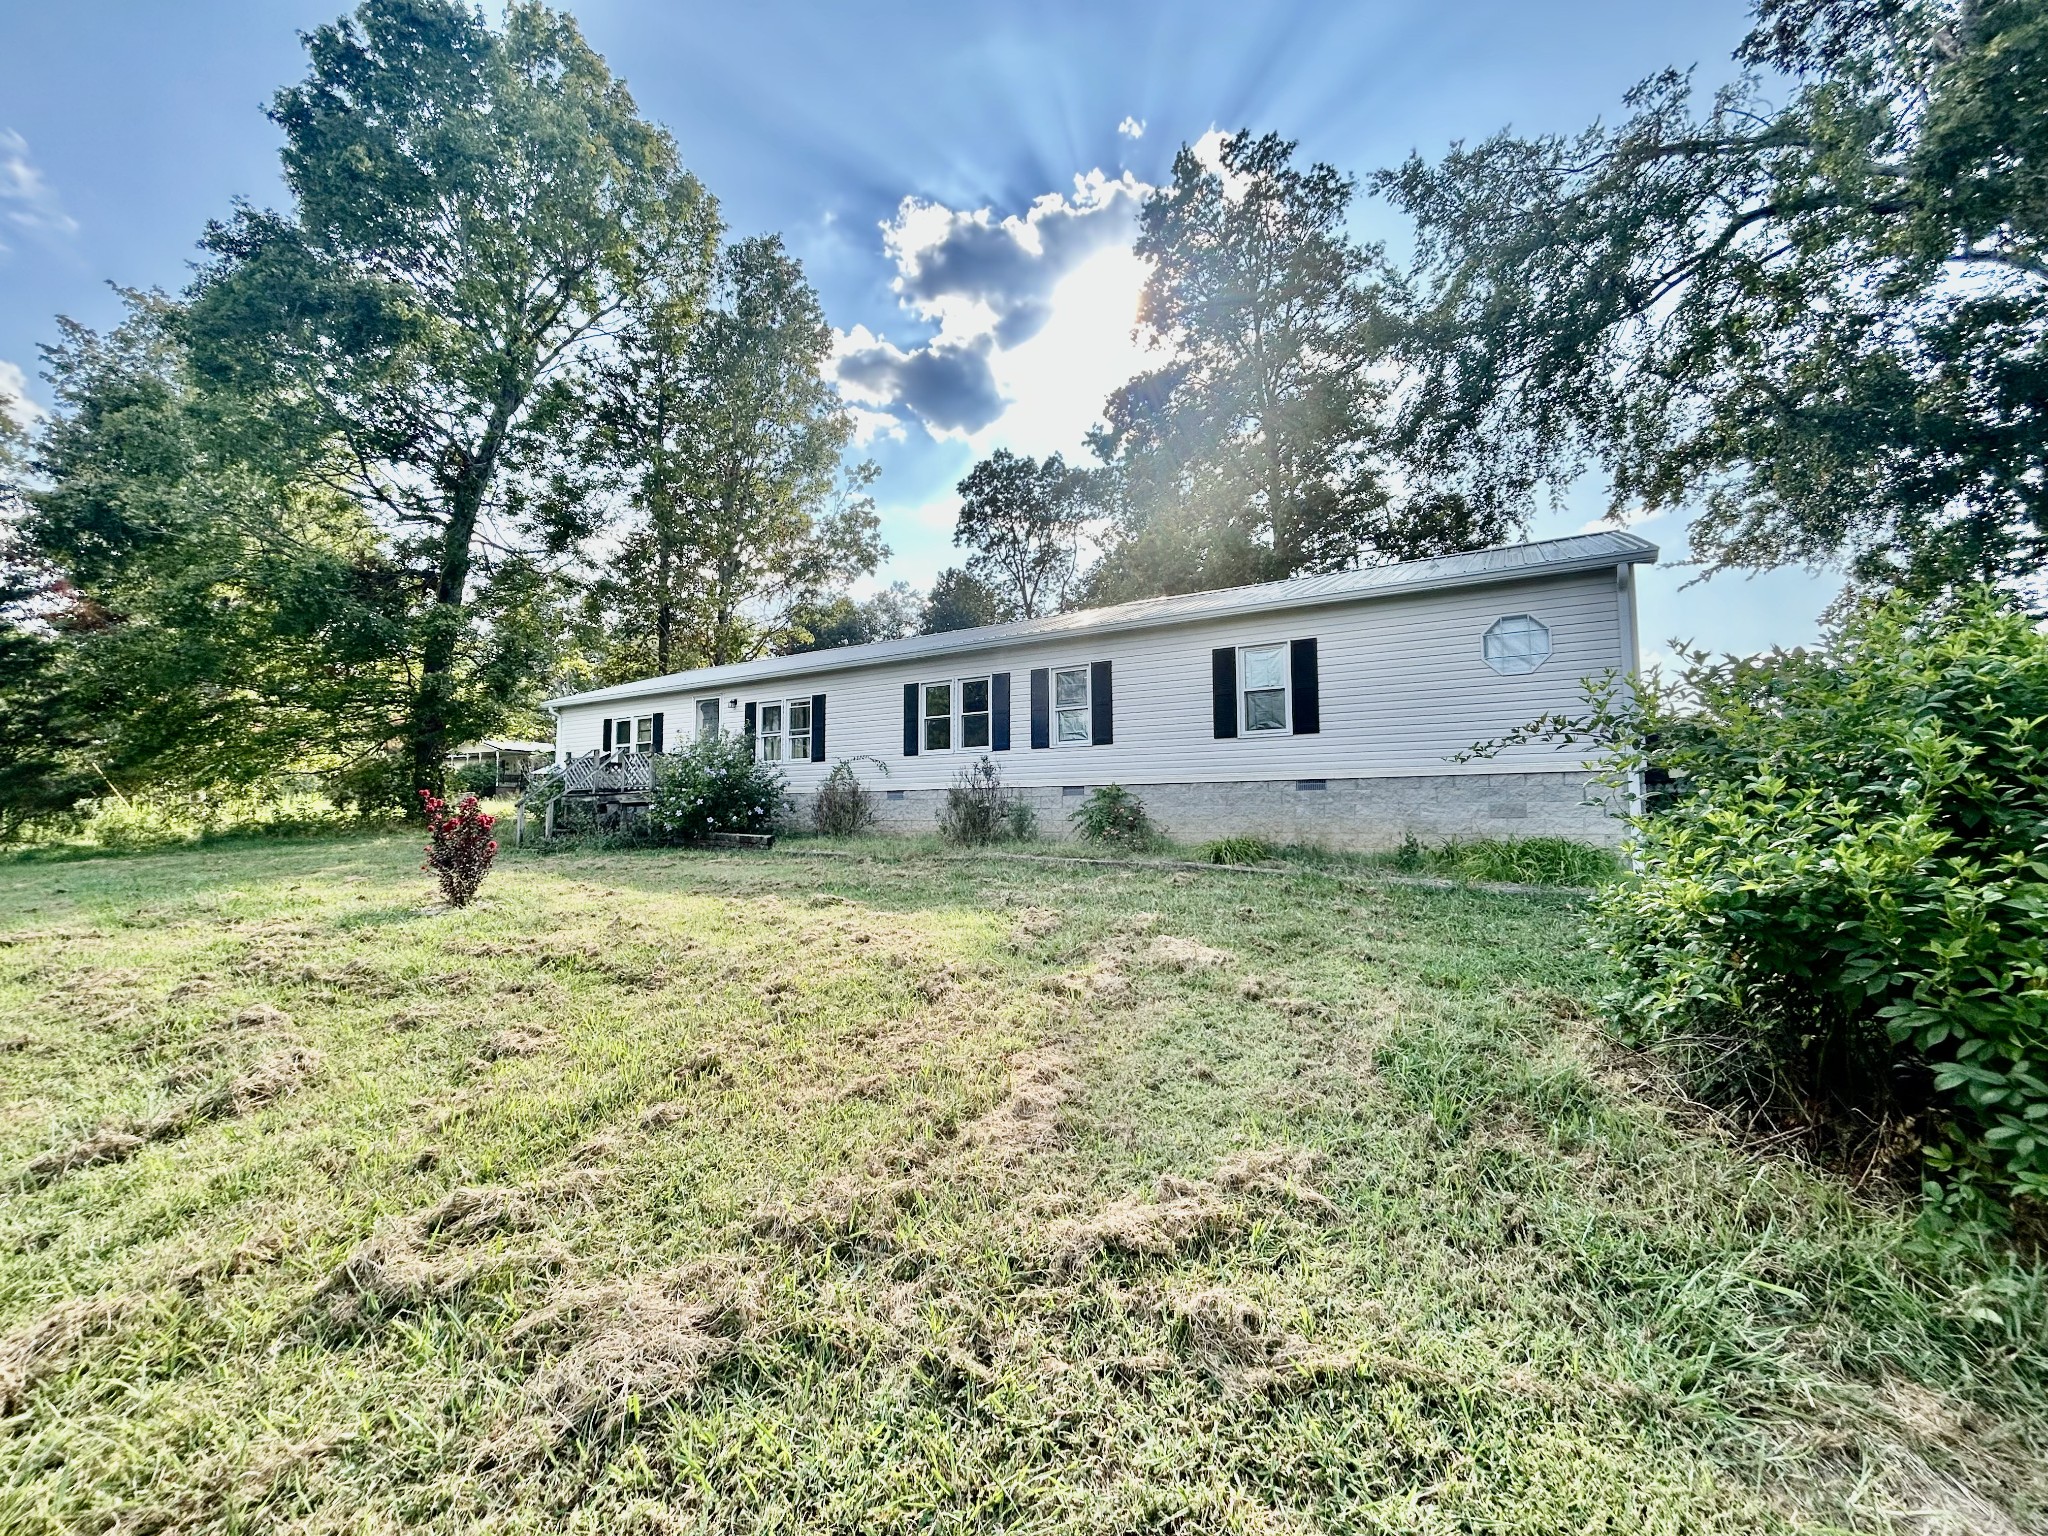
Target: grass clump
<point>1238,850</point>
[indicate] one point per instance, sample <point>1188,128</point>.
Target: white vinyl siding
<point>1403,684</point>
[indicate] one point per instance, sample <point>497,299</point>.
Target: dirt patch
<point>46,1346</point>
<point>627,1348</point>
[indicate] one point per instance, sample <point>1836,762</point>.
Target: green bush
<point>474,779</point>
<point>1846,902</point>
<point>1116,818</point>
<point>714,785</point>
<point>1239,850</point>
<point>978,810</point>
<point>844,807</point>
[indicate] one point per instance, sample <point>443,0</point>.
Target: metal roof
<point>1547,557</point>
<point>507,745</point>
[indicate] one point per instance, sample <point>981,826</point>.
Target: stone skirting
<point>1355,814</point>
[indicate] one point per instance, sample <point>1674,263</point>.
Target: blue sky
<point>958,179</point>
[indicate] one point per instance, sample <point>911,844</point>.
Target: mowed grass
<point>674,1192</point>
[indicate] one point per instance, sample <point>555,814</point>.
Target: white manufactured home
<point>1325,709</point>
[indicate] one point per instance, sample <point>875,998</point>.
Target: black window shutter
<point>1041,707</point>
<point>817,727</point>
<point>657,731</point>
<point>1223,689</point>
<point>750,722</point>
<point>1308,697</point>
<point>1102,724</point>
<point>999,712</point>
<point>607,734</point>
<point>910,719</point>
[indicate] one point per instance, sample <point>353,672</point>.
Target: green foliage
<point>1516,861</point>
<point>724,561</point>
<point>890,614</point>
<point>978,810</point>
<point>1116,818</point>
<point>474,779</point>
<point>1260,449</point>
<point>469,207</point>
<point>845,807</point>
<point>1022,517</point>
<point>714,785</point>
<point>1239,850</point>
<point>1825,321</point>
<point>959,600</point>
<point>1850,894</point>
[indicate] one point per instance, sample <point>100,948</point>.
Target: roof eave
<point>1636,551</point>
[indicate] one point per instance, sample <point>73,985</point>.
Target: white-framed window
<point>707,719</point>
<point>974,714</point>
<point>1516,644</point>
<point>1070,707</point>
<point>799,730</point>
<point>938,717</point>
<point>1262,687</point>
<point>768,734</point>
<point>633,733</point>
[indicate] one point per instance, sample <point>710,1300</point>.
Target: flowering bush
<point>714,786</point>
<point>462,848</point>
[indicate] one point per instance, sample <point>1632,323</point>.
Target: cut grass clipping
<point>664,1192</point>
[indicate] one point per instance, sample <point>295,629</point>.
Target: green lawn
<point>669,1192</point>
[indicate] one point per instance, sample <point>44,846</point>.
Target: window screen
<point>799,730</point>
<point>770,733</point>
<point>707,719</point>
<point>1263,669</point>
<point>974,714</point>
<point>938,717</point>
<point>1517,644</point>
<point>1070,704</point>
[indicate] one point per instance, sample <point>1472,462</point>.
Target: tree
<point>959,600</point>
<point>1259,449</point>
<point>890,614</point>
<point>1825,323</point>
<point>470,208</point>
<point>203,622</point>
<point>749,514</point>
<point>1022,517</point>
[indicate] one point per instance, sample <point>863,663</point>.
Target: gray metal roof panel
<point>1546,557</point>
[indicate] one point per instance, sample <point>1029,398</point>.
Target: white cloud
<point>1132,127</point>
<point>15,398</point>
<point>27,202</point>
<point>1031,316</point>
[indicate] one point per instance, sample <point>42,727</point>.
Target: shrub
<point>463,847</point>
<point>845,807</point>
<point>1114,817</point>
<point>978,811</point>
<point>1844,905</point>
<point>477,779</point>
<point>714,785</point>
<point>1239,850</point>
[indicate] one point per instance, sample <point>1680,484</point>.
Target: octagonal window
<point>1517,644</point>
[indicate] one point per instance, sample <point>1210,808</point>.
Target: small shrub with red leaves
<point>462,848</point>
